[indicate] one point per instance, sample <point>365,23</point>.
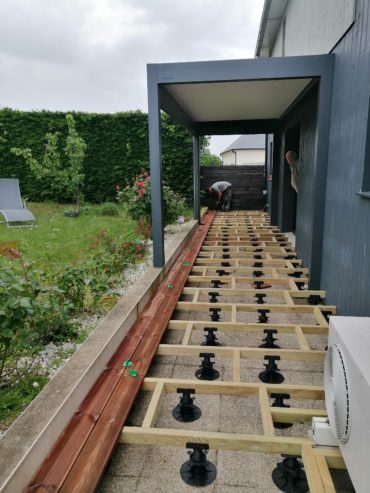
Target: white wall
<point>243,157</point>
<point>313,27</point>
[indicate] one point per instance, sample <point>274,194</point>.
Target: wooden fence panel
<point>247,181</point>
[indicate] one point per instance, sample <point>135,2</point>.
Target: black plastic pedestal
<point>198,471</point>
<point>289,476</point>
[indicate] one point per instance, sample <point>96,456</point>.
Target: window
<point>365,189</point>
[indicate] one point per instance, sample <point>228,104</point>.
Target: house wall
<point>345,271</point>
<point>244,157</point>
<point>324,23</point>
<point>346,249</point>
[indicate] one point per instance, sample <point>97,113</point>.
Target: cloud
<point>91,55</point>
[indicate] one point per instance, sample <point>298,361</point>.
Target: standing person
<point>223,192</point>
<point>292,159</point>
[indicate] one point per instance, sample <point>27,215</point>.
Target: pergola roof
<point>233,96</point>
<point>237,97</point>
<point>242,100</point>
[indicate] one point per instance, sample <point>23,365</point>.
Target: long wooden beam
<point>245,352</point>
<point>216,440</point>
<point>273,293</point>
<point>247,279</point>
<point>312,329</point>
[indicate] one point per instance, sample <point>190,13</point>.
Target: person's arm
<point>219,197</point>
<point>216,190</point>
<point>295,175</point>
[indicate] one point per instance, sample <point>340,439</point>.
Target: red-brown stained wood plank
<point>89,467</point>
<point>55,467</point>
<point>79,457</point>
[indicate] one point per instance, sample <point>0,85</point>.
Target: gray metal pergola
<point>236,97</point>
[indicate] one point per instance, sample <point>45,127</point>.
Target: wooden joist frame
<point>247,238</point>
<point>316,460</point>
<point>77,461</point>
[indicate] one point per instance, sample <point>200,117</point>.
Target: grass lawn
<point>57,240</point>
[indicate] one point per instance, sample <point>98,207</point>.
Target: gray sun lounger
<point>12,206</point>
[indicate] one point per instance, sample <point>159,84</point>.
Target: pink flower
<point>140,184</point>
<point>118,188</point>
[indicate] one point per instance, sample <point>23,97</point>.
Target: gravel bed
<point>54,356</point>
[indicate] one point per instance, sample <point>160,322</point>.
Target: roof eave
<point>262,28</point>
<point>267,34</point>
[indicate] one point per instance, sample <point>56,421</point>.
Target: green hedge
<point>117,148</point>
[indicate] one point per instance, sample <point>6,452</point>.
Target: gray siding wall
<point>313,27</point>
<point>303,115</point>
<point>304,226</point>
<point>346,251</point>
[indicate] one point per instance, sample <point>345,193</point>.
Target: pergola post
<point>155,157</point>
<point>196,177</point>
<point>319,175</point>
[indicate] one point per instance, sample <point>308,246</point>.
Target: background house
<point>245,150</point>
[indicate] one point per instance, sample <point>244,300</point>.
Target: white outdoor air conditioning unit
<point>347,394</point>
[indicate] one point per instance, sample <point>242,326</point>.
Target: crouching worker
<point>223,193</point>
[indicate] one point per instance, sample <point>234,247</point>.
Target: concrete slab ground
<point>137,468</point>
<point>149,469</point>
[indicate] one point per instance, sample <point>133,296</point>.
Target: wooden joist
<point>190,325</point>
<point>245,352</point>
<point>216,440</point>
<point>240,389</point>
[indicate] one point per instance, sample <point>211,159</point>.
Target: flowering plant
<point>137,198</point>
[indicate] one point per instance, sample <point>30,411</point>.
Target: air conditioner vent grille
<point>338,393</point>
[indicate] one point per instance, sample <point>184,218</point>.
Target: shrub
<point>72,287</point>
<point>109,209</point>
<point>137,198</point>
<point>112,257</point>
<point>32,311</point>
<point>18,336</point>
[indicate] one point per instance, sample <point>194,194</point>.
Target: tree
<point>208,159</point>
<point>58,181</point>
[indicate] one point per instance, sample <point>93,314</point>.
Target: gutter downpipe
<point>265,180</point>
<point>232,150</point>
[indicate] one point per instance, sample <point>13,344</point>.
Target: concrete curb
<point>28,441</point>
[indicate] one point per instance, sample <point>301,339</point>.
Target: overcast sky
<point>91,55</point>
